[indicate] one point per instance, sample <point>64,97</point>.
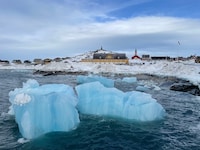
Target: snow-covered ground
<point>188,70</point>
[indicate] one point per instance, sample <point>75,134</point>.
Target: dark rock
<point>50,73</point>
<point>186,87</point>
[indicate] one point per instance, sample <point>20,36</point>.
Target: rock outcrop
<point>186,87</point>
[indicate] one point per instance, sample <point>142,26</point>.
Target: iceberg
<point>129,79</point>
<point>156,88</point>
<point>92,78</point>
<point>42,109</point>
<point>142,88</point>
<point>112,102</point>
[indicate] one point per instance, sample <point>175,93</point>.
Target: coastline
<point>186,70</point>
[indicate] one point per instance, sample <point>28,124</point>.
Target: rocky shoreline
<point>50,73</point>
<point>186,87</point>
<point>174,83</point>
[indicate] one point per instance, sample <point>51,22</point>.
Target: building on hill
<point>136,56</point>
<point>58,59</point>
<point>27,62</point>
<point>17,61</point>
<point>160,58</point>
<point>120,56</point>
<point>47,61</point>
<point>4,62</point>
<point>37,61</point>
<point>146,57</point>
<point>99,56</point>
<point>197,59</point>
<point>107,57</point>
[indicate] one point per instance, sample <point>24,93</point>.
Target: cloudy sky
<point>60,28</point>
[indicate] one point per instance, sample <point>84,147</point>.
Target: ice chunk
<point>156,88</point>
<point>113,102</point>
<point>31,83</point>
<point>22,140</point>
<point>92,78</point>
<point>10,110</point>
<point>129,79</point>
<point>42,109</point>
<point>141,88</point>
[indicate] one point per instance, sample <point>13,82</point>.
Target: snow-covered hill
<point>188,70</point>
<point>89,55</point>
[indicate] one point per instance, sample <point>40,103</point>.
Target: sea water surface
<point>180,129</point>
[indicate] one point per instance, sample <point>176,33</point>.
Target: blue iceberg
<point>96,99</point>
<point>129,79</point>
<point>142,88</point>
<point>53,107</point>
<point>42,109</point>
<point>92,78</point>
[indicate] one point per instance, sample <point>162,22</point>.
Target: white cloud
<point>67,27</point>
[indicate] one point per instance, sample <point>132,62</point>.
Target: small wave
<point>3,114</point>
<point>188,112</point>
<point>22,70</point>
<point>198,98</point>
<point>195,128</point>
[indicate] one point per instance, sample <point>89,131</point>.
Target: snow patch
<point>21,99</point>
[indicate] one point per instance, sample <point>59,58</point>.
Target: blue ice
<point>52,107</point>
<point>96,99</point>
<point>92,78</point>
<point>129,79</point>
<point>141,88</point>
<point>42,109</point>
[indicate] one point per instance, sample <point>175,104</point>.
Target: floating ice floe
<point>42,109</point>
<point>142,88</point>
<point>92,78</point>
<point>156,88</point>
<point>146,85</point>
<point>96,99</point>
<point>129,79</point>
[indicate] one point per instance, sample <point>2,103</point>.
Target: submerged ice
<point>115,103</point>
<point>42,109</point>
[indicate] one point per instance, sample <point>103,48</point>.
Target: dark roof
<point>27,61</point>
<point>119,56</point>
<point>114,56</point>
<point>17,61</point>
<point>37,60</point>
<point>136,57</point>
<point>160,57</point>
<point>4,61</point>
<point>99,56</point>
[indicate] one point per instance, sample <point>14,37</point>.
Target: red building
<point>136,56</point>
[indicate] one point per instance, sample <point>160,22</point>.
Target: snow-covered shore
<point>187,70</point>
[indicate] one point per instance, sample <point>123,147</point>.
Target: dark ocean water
<point>180,129</point>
